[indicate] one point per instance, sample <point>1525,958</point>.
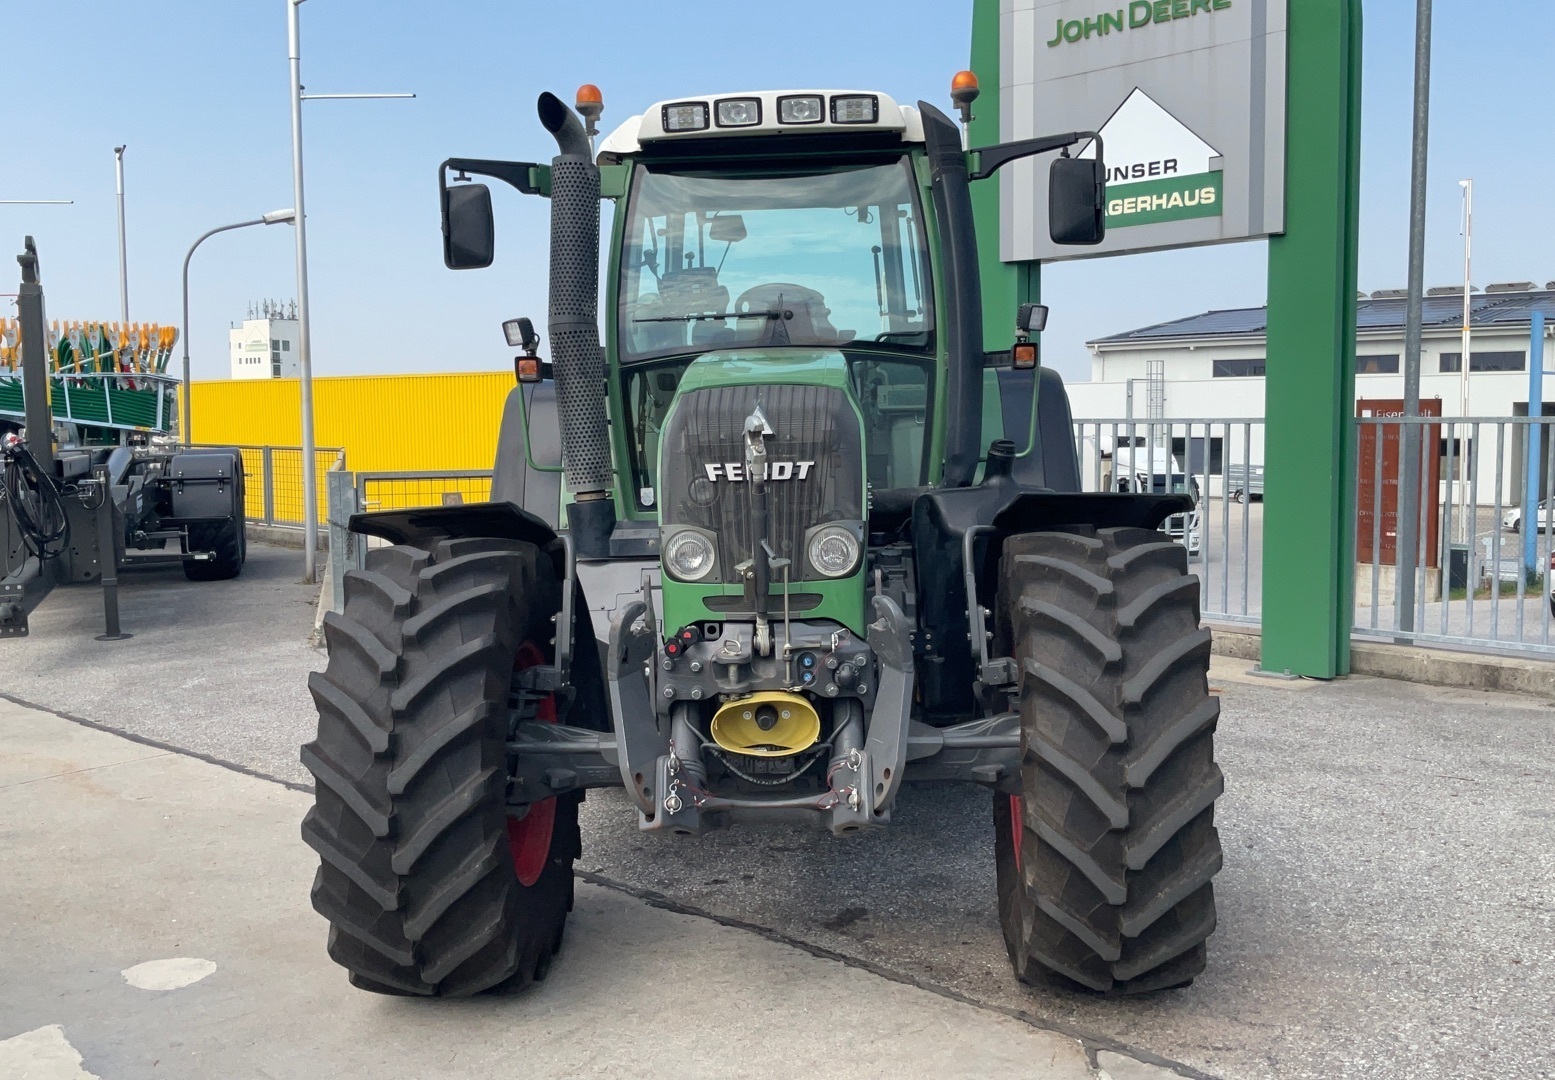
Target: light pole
<point>124,273</point>
<point>310,508</point>
<point>274,217</point>
<point>1465,361</point>
<point>1407,514</point>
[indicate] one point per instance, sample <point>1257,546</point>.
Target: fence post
<point>267,473</point>
<point>340,488</point>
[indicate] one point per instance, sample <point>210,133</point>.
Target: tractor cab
<point>777,231</point>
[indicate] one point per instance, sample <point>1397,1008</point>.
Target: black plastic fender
<point>424,526</point>
<point>940,520</point>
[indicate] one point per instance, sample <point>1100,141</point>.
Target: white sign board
<point>1188,97</point>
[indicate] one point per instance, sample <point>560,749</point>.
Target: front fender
<point>426,525</point>
<point>940,521</point>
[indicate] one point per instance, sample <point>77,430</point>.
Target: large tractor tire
<point>431,884</point>
<point>1104,861</point>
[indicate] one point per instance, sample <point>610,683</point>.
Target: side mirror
<point>468,230</point>
<point>1077,200</point>
<point>727,229</point>
<point>1031,318</point>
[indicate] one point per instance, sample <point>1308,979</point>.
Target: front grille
<point>809,424</point>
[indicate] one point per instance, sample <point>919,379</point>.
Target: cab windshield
<point>832,259</point>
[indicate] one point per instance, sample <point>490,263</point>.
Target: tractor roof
<point>765,112</point>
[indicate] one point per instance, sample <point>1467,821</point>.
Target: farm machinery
<point>91,476</point>
<point>791,536</point>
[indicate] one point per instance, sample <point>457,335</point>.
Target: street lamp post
<point>1465,360</point>
<point>124,272</point>
<point>310,508</point>
<point>274,217</point>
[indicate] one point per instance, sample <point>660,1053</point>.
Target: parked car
<point>1512,520</point>
<point>1245,482</point>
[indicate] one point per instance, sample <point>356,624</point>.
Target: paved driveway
<point>1387,906</point>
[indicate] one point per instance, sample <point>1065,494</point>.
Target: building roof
<point>1492,310</point>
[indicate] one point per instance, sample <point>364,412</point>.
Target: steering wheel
<point>760,298</point>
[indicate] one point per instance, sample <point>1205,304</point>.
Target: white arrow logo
<point>1146,142</point>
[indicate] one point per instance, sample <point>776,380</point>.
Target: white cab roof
<point>649,127</point>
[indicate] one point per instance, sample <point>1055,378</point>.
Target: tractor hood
<point>783,366</point>
<point>812,478</point>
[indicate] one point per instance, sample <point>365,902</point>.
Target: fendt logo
<point>776,470</point>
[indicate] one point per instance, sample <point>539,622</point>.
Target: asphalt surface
<point>1387,908</point>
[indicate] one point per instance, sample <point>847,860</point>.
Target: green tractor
<point>815,542</point>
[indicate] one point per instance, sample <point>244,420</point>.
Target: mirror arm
<point>514,173</point>
<point>991,159</point>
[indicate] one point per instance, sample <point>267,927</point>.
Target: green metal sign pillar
<point>1005,285</point>
<point>1309,390</point>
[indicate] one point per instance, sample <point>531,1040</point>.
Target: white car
<point>1512,520</point>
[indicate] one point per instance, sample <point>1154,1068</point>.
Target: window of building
<point>1376,365</point>
<point>286,345</point>
<point>1238,369</point>
<point>1484,361</point>
<point>275,344</point>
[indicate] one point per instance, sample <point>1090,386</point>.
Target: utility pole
<point>1408,512</point>
<point>310,508</point>
<point>1464,525</point>
<point>124,273</point>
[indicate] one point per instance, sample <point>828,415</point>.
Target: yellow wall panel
<point>384,422</point>
<point>399,423</point>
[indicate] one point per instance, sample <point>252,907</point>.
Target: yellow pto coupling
<point>772,723</point>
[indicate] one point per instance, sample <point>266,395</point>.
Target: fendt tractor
<point>817,540</point>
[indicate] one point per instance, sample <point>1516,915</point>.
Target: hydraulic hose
<point>35,501</point>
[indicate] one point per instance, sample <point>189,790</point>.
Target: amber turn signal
<point>1025,356</point>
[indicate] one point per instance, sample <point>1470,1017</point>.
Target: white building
<point>265,345</point>
<point>1211,367</point>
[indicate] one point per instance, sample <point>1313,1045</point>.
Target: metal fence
<point>273,481</point>
<point>1482,572</point>
<point>1482,579</point>
<point>1219,462</point>
<point>352,493</point>
<point>402,490</point>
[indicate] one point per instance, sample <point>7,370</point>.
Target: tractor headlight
<point>689,555</point>
<point>833,551</point>
<point>808,109</point>
<point>854,109</point>
<point>685,116</point>
<point>739,112</point>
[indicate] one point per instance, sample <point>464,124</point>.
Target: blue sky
<point>198,91</point>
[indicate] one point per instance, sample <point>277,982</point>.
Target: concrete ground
<point>157,925</point>
<point>1387,906</point>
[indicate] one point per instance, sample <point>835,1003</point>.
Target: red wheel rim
<point>1017,826</point>
<point>529,837</point>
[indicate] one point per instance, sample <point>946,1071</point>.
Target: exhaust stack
<point>573,324</point>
